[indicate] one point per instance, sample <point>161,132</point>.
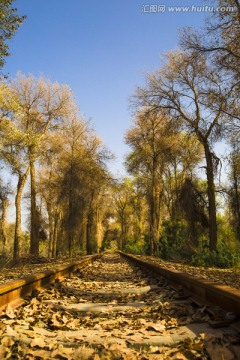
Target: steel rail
<point>15,290</point>
<point>210,292</point>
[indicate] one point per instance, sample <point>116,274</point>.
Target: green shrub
<point>227,253</point>
<point>223,257</point>
<point>173,241</point>
<point>136,247</point>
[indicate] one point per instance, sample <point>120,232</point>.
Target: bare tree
<point>219,42</point>
<point>220,39</point>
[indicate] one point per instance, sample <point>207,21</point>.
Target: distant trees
<point>123,196</point>
<point>129,223</point>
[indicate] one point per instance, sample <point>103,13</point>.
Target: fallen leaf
<point>9,312</point>
<point>7,341</point>
<point>11,332</point>
<point>156,327</point>
<point>38,342</point>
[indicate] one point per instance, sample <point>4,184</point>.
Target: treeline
<point>44,139</point>
<point>185,108</point>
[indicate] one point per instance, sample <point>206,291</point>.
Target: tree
<point>130,212</point>
<point>193,204</point>
<point>13,152</point>
<point>48,186</point>
<point>139,215</point>
<point>98,180</point>
<point>74,171</point>
<point>188,154</point>
<point>122,195</point>
<point>220,39</point>
<point>10,22</point>
<point>219,42</point>
<point>152,139</point>
<point>193,94</point>
<point>72,164</point>
<point>41,107</point>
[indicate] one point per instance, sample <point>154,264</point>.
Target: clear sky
<point>102,49</point>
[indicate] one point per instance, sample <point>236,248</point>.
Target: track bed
<point>113,310</point>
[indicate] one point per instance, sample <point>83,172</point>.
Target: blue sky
<point>101,49</point>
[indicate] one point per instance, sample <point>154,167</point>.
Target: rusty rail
<point>18,289</point>
<point>226,297</point>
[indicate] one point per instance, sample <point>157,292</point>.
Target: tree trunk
<point>99,230</point>
<point>34,238</point>
<point>51,230</point>
<point>193,236</point>
<point>5,204</point>
<point>154,212</point>
<point>89,232</point>
<point>70,209</point>
<point>237,202</point>
<point>21,182</point>
<point>121,240</point>
<point>211,199</point>
<point>70,225</point>
<point>152,226</point>
<point>50,244</point>
<point>82,232</point>
<point>57,219</point>
<point>91,229</point>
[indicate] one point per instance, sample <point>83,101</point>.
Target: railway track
<point>113,309</point>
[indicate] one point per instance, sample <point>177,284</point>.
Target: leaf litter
<point>229,277</point>
<point>76,318</point>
